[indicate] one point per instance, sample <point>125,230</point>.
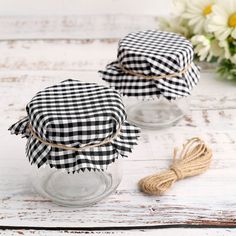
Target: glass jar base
<point>79,189</point>
<point>154,114</point>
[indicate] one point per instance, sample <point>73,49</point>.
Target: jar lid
<point>76,126</point>
<point>153,63</point>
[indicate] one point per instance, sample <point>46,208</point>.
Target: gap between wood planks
<point>140,232</point>
<point>116,228</point>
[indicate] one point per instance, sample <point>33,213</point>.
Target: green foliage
<point>232,46</point>
<point>227,69</point>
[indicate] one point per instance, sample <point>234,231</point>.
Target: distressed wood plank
<point>73,26</point>
<point>85,7</point>
<point>221,137</point>
<point>22,207</point>
<point>151,232</point>
<point>69,54</point>
<point>183,204</point>
<point>17,88</point>
<point>29,66</point>
<point>56,54</point>
<point>72,55</point>
<point>124,208</point>
<point>42,62</point>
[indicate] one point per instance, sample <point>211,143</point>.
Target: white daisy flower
<point>208,47</point>
<point>197,12</point>
<point>202,47</point>
<point>222,21</point>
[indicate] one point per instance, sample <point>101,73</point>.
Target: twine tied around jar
<point>65,147</point>
<point>163,76</point>
<point>194,159</point>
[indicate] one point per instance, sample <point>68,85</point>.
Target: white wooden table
<point>203,205</point>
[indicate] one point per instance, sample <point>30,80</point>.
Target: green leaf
<point>227,69</point>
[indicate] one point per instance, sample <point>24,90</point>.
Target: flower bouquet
<point>211,27</point>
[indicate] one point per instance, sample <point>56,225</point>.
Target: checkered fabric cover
<point>76,114</point>
<point>153,53</point>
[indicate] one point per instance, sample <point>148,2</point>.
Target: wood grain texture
<point>163,232</point>
<point>206,200</point>
<point>84,7</point>
<point>55,60</point>
<point>74,26</point>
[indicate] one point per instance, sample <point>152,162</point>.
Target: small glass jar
<point>155,113</point>
<point>153,64</point>
<point>77,134</point>
<point>78,189</point>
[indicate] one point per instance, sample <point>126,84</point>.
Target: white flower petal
<point>199,27</point>
<point>233,34</point>
<point>217,23</point>
<point>223,34</point>
<point>194,13</point>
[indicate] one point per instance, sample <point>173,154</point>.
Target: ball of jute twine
<point>194,159</point>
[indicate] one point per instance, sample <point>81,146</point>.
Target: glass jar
<point>155,113</point>
<point>78,189</point>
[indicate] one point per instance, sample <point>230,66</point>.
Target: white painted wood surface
<point>84,7</point>
<point>152,232</point>
<point>206,200</point>
<point>73,26</point>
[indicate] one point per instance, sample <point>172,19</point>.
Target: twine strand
<point>163,76</point>
<point>65,147</point>
<point>194,159</point>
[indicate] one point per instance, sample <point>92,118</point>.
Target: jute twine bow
<point>194,159</point>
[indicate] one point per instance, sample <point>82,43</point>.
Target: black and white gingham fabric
<point>76,114</point>
<point>153,53</point>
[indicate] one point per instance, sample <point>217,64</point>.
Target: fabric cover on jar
<point>152,64</point>
<point>78,115</point>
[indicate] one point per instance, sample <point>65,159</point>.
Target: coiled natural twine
<point>194,159</point>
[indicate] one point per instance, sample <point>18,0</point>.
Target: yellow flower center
<point>207,10</point>
<point>232,20</point>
